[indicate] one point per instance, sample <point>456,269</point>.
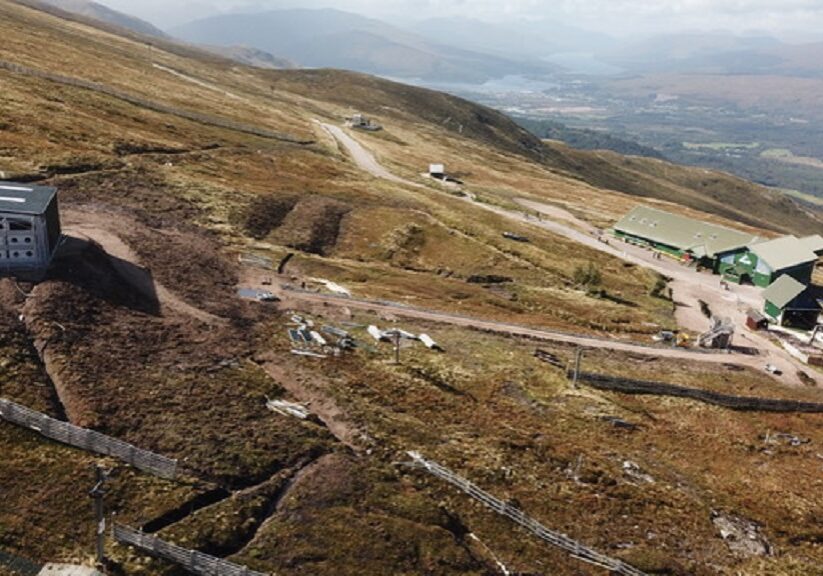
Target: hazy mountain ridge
<point>252,57</point>
<point>718,53</point>
<point>337,39</point>
<point>103,13</point>
<point>530,39</point>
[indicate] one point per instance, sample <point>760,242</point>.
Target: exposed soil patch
<point>489,279</point>
<point>86,264</point>
<point>264,214</point>
<point>130,147</point>
<point>313,225</point>
<point>305,389</point>
<point>194,265</point>
<point>123,263</point>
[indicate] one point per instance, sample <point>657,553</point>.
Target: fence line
<point>19,565</point>
<point>153,106</point>
<point>576,549</point>
<point>192,560</point>
<point>743,403</point>
<point>88,440</point>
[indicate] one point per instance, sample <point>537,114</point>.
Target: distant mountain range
<point>252,57</point>
<point>525,39</point>
<point>460,49</point>
<point>102,13</point>
<point>243,54</point>
<point>717,53</point>
<point>337,39</point>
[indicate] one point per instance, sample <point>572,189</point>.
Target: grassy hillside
<point>702,190</point>
<point>708,191</point>
<point>583,139</point>
<point>153,345</point>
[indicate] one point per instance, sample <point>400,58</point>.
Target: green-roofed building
<point>764,262</point>
<point>813,243</point>
<point>791,303</point>
<point>740,257</point>
<point>682,237</point>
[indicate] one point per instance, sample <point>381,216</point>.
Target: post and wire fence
<point>88,440</point>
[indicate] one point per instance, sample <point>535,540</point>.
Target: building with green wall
<point>762,263</point>
<point>682,237</point>
<point>740,257</point>
<point>791,303</point>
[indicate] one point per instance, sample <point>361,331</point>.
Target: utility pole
<point>97,494</point>
<point>397,347</point>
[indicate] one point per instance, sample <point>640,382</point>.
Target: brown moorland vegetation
<point>149,343</point>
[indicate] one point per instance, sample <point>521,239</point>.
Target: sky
<point>784,18</point>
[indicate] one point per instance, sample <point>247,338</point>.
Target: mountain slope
<point>336,39</point>
<point>171,201</point>
<point>704,190</point>
<point>251,57</point>
<point>105,14</point>
<point>583,139</point>
<point>699,189</point>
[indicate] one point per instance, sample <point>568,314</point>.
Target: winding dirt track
<point>297,296</point>
<point>364,159</point>
<point>687,286</point>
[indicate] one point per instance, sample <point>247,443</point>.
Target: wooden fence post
<point>578,359</point>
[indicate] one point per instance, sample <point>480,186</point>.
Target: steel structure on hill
<point>29,227</point>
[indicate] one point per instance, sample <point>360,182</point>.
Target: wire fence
<point>88,440</point>
<point>742,403</point>
<point>19,565</point>
<point>154,106</point>
<point>574,548</point>
<point>192,560</point>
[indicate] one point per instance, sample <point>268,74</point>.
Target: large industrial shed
<point>764,262</point>
<point>29,227</point>
<point>740,257</point>
<point>791,303</point>
<point>682,237</point>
